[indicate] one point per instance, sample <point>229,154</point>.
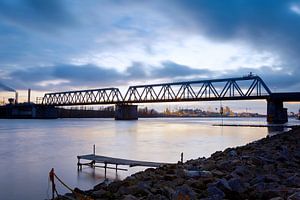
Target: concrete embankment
<point>265,169</point>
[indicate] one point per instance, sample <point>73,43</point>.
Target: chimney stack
<point>16,98</point>
<point>29,91</point>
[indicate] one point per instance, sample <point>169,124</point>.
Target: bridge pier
<point>276,113</point>
<point>126,112</point>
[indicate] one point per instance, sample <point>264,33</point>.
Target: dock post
<point>181,155</point>
<point>116,168</point>
<point>105,166</point>
<point>51,177</point>
<point>94,152</point>
<point>78,163</point>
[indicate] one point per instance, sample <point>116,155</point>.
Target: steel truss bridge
<point>241,88</point>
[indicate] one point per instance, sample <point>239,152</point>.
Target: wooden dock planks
<point>119,161</point>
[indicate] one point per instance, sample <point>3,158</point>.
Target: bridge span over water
<point>241,88</point>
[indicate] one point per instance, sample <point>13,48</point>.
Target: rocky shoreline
<point>265,169</point>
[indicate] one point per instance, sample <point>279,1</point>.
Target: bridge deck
<point>119,161</point>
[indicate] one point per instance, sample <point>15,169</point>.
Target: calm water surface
<point>30,148</point>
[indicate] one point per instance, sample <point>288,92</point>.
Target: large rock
<point>200,173</point>
<point>241,170</point>
<point>237,185</point>
<point>293,181</point>
<point>184,192</point>
<point>215,193</point>
<point>98,193</point>
<point>223,185</point>
<point>271,178</point>
<point>218,173</point>
<point>141,189</point>
<point>295,196</point>
<point>103,184</point>
<point>130,197</point>
<point>232,153</point>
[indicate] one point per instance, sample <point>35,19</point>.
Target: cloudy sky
<point>73,44</point>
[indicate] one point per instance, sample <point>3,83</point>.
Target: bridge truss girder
<point>243,88</point>
<point>230,89</point>
<point>83,97</point>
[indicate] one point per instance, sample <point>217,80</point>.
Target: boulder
<point>218,173</point>
<point>295,196</point>
<point>223,185</point>
<point>293,181</point>
<point>103,184</point>
<point>237,185</point>
<point>277,198</point>
<point>184,192</point>
<point>129,197</point>
<point>200,173</point>
<point>232,153</point>
<point>98,193</point>
<point>215,193</point>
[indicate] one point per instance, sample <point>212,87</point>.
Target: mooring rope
<point>78,195</point>
<point>63,183</point>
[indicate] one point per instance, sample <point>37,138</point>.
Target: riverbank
<point>265,169</point>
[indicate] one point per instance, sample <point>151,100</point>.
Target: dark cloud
<point>86,73</point>
<point>97,76</point>
<point>42,15</point>
<point>136,70</point>
<point>265,24</point>
<point>6,88</point>
<point>32,32</point>
<point>92,76</point>
<point>172,70</point>
<point>278,80</point>
<point>35,33</point>
<point>72,76</point>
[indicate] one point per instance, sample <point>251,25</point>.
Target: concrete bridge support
<point>126,112</point>
<point>276,113</point>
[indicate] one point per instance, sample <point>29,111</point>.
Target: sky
<point>62,45</point>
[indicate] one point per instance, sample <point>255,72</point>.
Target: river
<point>30,148</point>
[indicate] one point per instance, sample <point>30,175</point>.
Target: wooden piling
<point>78,163</point>
<point>51,177</point>
<point>105,166</point>
<point>181,159</point>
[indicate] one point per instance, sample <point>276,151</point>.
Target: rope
<point>78,195</point>
<point>63,183</point>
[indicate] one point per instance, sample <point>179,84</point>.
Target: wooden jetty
<point>260,125</point>
<point>113,161</point>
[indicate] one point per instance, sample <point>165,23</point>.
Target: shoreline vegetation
<point>265,169</point>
